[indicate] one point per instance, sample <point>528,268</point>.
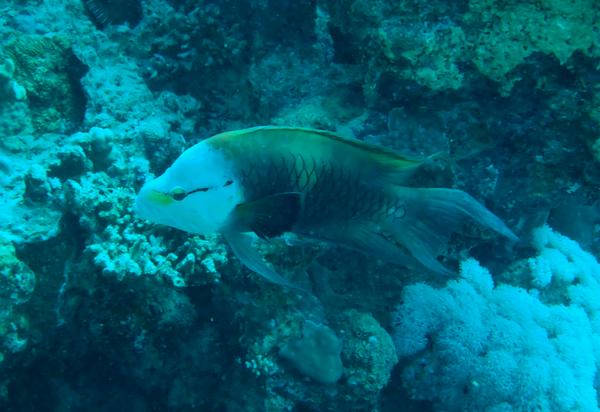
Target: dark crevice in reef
<point>106,12</point>
<point>76,69</point>
<point>52,260</point>
<point>49,255</point>
<point>343,46</point>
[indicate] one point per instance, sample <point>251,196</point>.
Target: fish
<point>274,180</point>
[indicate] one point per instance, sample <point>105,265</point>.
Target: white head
<point>196,194</point>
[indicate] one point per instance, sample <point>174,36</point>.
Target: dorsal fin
<point>379,153</point>
<point>390,161</point>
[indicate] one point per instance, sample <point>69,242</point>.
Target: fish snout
<point>142,206</point>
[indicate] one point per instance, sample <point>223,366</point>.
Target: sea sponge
<point>316,354</point>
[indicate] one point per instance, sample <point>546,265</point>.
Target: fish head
<point>196,194</point>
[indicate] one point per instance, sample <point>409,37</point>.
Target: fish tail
<point>425,219</point>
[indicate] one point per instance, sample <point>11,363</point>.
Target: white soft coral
<point>569,265</point>
<point>474,347</point>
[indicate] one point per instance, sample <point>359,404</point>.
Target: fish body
<point>276,180</point>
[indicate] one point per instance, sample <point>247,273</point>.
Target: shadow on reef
<point>112,348</point>
<point>111,391</point>
<point>115,350</point>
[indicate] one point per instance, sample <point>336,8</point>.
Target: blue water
<point>103,310</point>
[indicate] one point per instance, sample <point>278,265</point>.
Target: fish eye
<point>178,193</point>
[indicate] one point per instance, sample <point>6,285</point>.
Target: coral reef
<point>99,309</point>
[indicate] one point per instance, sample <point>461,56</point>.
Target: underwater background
<point>103,311</point>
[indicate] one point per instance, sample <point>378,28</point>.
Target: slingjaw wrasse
<point>272,180</point>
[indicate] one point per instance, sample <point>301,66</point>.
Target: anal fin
<point>367,238</point>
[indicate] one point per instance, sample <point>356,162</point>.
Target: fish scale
<point>331,193</point>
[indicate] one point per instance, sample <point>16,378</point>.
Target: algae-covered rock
<point>17,283</point>
<point>49,72</point>
<point>510,31</point>
<point>438,46</point>
<point>429,55</point>
<point>17,280</point>
<point>369,354</point>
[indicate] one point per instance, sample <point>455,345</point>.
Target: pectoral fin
<point>241,244</point>
<point>269,216</point>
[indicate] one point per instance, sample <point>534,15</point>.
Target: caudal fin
<point>432,215</point>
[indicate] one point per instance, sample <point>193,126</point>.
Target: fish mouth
<point>153,206</point>
<point>143,206</point>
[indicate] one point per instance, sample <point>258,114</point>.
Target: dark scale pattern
<point>107,12</point>
<point>332,193</point>
<point>262,177</point>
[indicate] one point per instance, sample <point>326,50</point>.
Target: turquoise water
<point>323,274</point>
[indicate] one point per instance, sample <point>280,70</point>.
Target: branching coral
<point>120,248</point>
